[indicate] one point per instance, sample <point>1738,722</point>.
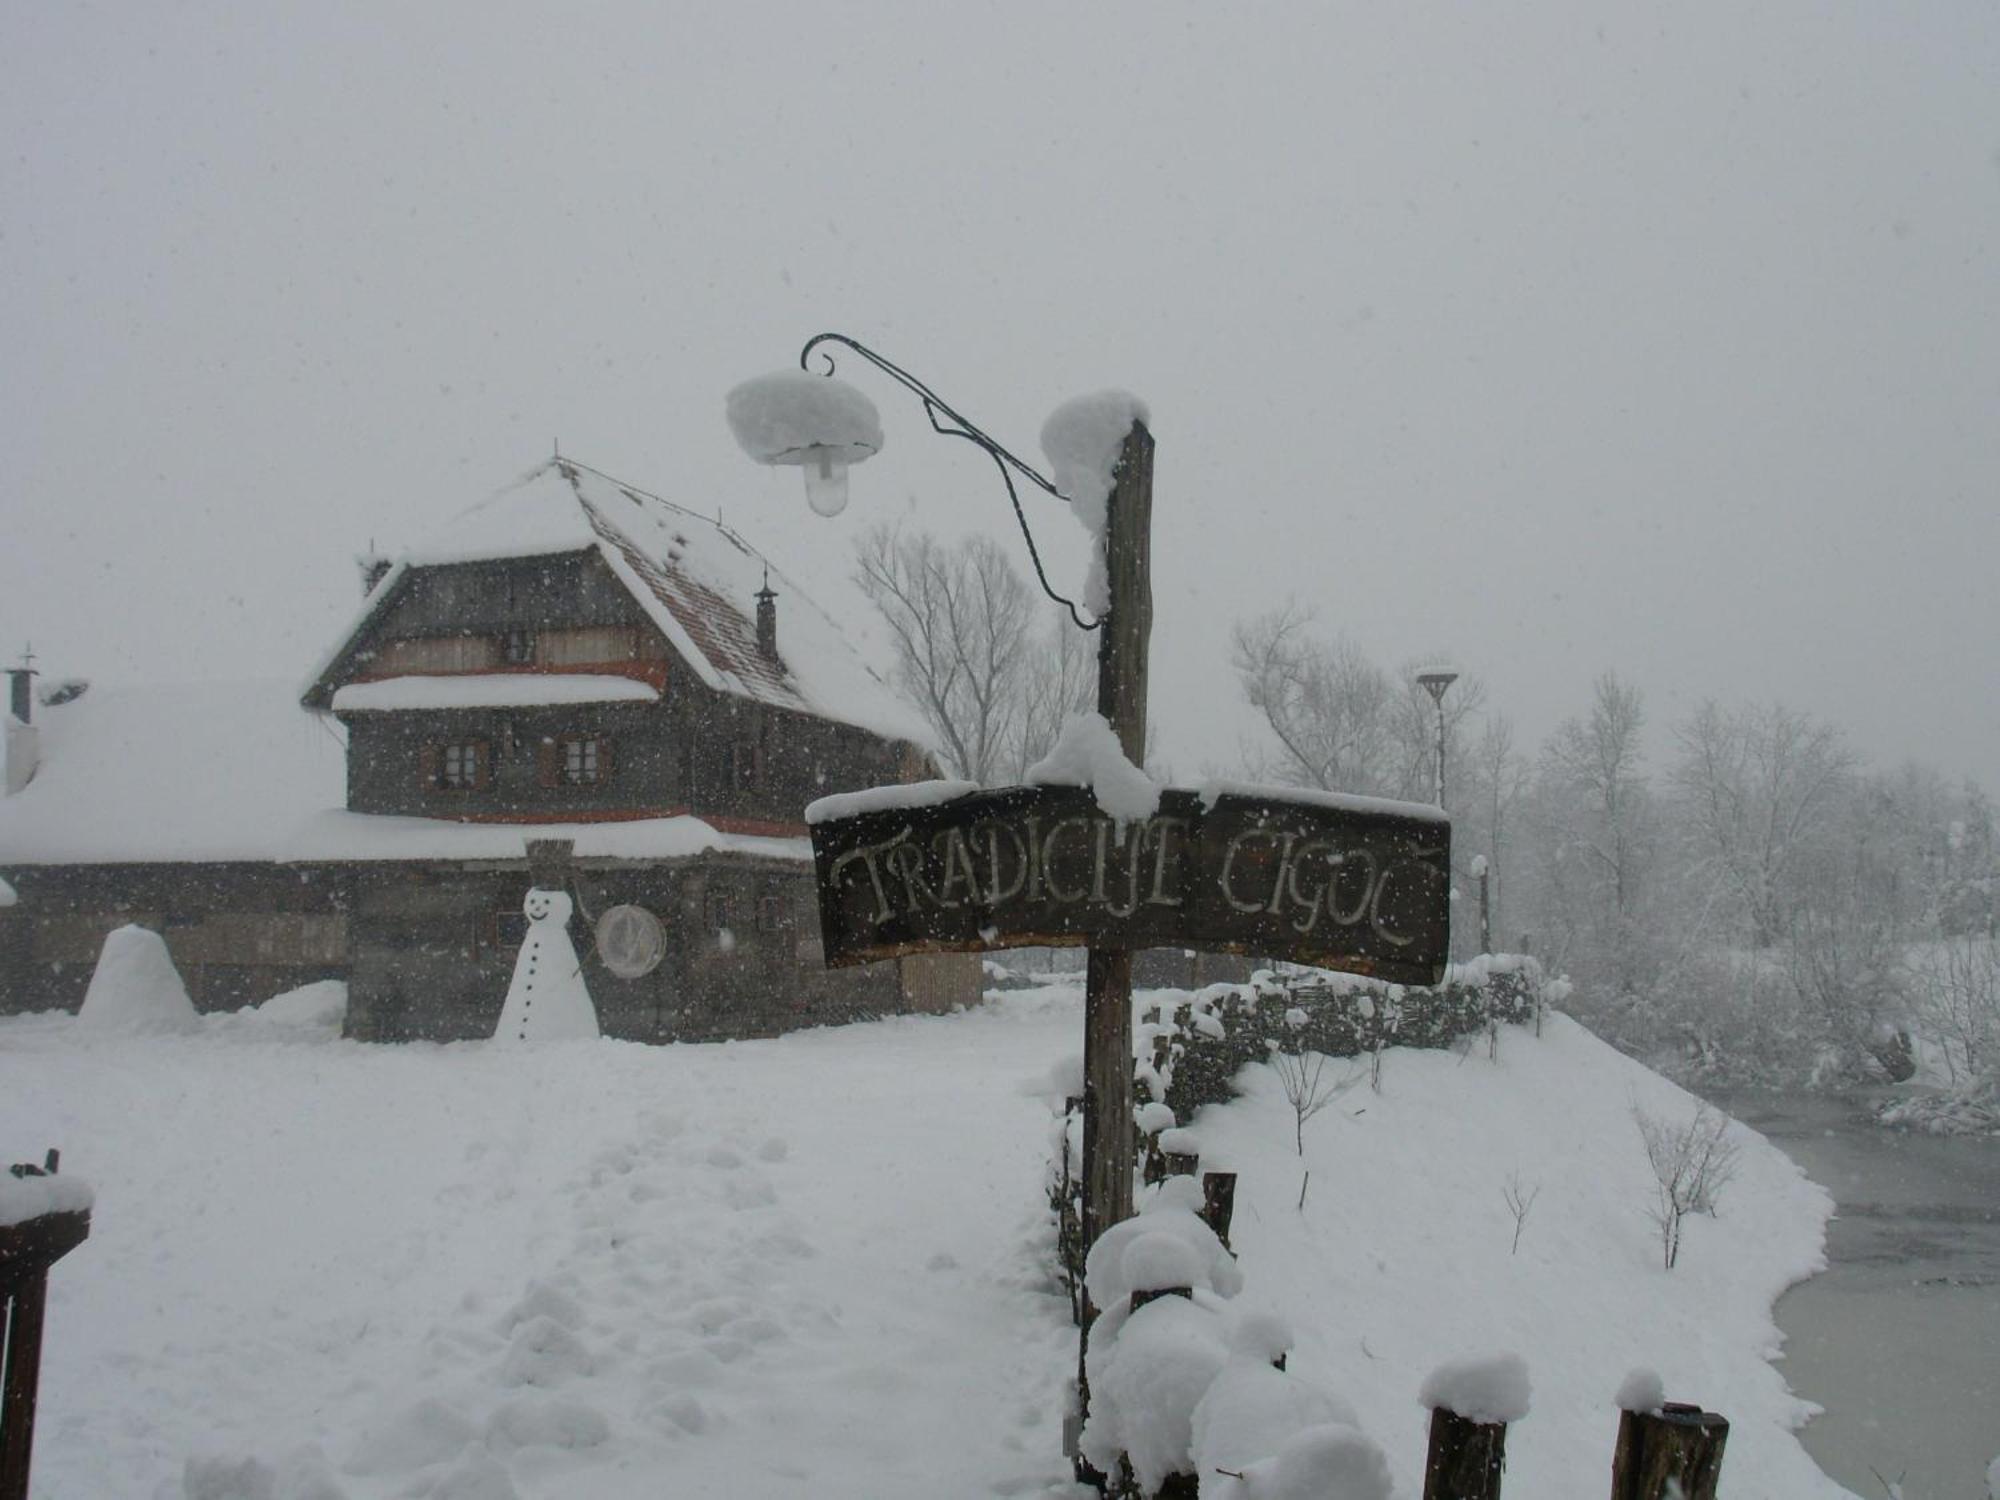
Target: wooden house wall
<point>433,955</point>
<point>239,932</point>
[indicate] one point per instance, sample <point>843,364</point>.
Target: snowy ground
<point>810,1266</point>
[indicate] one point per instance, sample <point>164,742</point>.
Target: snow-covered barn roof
<point>695,579</point>
<point>238,771</point>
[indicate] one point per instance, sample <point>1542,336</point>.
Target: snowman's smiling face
<point>538,905</point>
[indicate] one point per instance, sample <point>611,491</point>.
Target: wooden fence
<point>27,1250</point>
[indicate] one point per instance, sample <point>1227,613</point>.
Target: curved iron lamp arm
<point>948,421</point>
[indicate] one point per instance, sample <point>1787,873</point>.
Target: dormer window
<point>517,646</point>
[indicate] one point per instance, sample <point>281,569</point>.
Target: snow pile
<point>1330,1460</point>
<point>24,1198</point>
<point>887,799</point>
<point>135,987</point>
<point>313,1007</point>
<point>1490,1388</point>
<point>1082,439</point>
<point>1087,753</point>
<point>777,417</point>
<point>1642,1391</point>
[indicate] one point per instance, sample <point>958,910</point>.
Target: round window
<point>630,941</point>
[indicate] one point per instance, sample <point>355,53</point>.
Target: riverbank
<point>1899,1338</point>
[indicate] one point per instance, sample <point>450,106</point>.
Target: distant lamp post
<point>1434,681</point>
<point>1483,873</point>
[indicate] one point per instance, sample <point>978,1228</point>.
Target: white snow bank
<point>135,987</point>
<point>777,417</point>
<point>887,799</point>
<point>1082,439</point>
<point>1087,753</point>
<point>1487,1388</point>
<point>24,1198</point>
<point>492,690</point>
<point>1642,1391</point>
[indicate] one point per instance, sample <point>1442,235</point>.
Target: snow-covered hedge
<point>1189,1052</point>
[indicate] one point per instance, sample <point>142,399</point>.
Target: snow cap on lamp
<point>816,422</point>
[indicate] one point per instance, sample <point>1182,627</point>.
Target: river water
<point>1899,1339</point>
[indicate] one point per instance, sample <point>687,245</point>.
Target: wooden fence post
<point>1218,1203</point>
<point>27,1250</point>
<point>1466,1458</point>
<point>1678,1443</point>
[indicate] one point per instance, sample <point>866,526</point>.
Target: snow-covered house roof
<point>695,579</point>
<point>228,771</point>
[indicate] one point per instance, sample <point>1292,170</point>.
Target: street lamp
<point>819,423</point>
<point>1102,454</point>
<point>1434,681</point>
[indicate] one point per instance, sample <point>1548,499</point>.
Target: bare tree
<point>1057,681</point>
<point>1520,1200</point>
<point>1598,758</point>
<point>1757,784</point>
<point>1339,722</point>
<point>960,618</point>
<point>1954,986</point>
<point>1692,1162</point>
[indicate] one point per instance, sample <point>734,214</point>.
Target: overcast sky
<point>1555,336</point>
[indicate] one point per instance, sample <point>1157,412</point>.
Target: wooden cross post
<point>1107,1016</point>
<point>1121,698</point>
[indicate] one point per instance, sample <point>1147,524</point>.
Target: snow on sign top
<point>694,578</point>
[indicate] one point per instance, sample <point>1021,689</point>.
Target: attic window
<point>517,646</point>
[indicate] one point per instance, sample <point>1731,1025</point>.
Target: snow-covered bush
<point>1189,1053</point>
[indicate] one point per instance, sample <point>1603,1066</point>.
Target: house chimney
<point>23,740</point>
<point>767,619</point>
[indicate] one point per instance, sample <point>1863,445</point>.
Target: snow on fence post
<point>1472,1401</point>
<point>1677,1445</point>
<point>42,1219</point>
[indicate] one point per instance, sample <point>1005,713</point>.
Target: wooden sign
<point>1340,882</point>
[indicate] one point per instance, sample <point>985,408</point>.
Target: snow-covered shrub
<point>1189,1054</point>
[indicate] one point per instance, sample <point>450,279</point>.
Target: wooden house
<point>574,663</point>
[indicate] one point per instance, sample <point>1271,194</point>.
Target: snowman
<point>547,1000</point>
